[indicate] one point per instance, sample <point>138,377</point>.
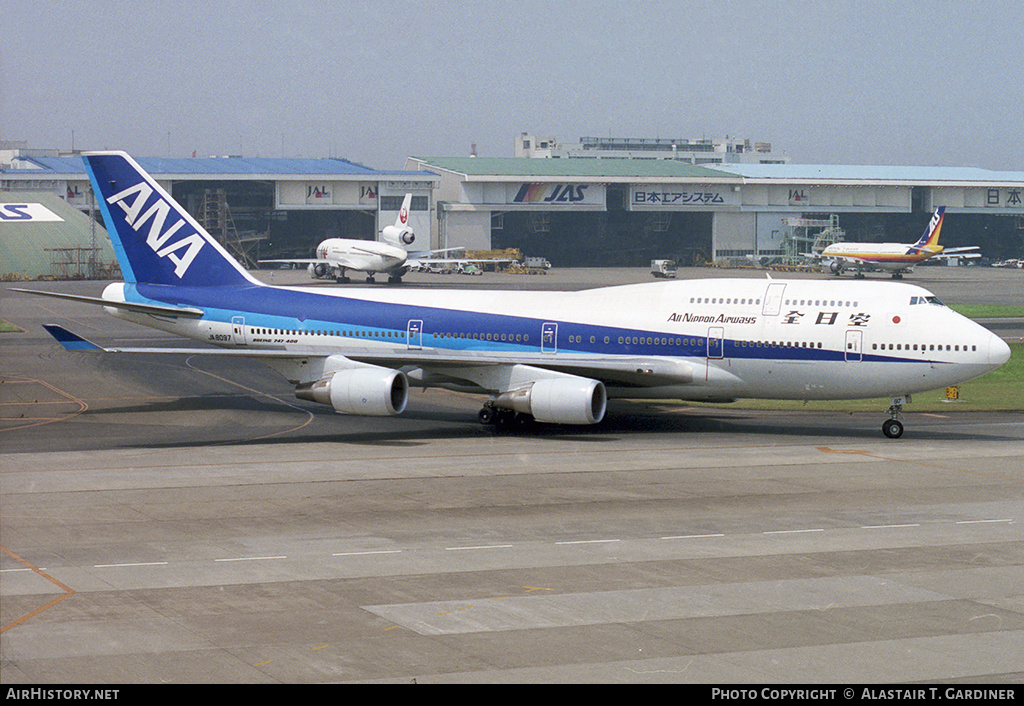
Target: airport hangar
<point>625,212</point>
<point>573,211</point>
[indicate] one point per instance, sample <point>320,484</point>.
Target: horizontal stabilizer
<point>70,341</point>
<point>183,312</point>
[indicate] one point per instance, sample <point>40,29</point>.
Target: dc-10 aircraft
<point>892,257</point>
<point>336,256</point>
<point>553,357</point>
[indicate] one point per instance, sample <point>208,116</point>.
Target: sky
<point>878,82</point>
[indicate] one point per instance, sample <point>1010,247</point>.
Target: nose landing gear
<point>893,427</point>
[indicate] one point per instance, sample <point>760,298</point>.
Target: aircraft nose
<point>998,351</point>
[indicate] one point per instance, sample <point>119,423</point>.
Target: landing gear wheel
<point>486,415</point>
<point>892,428</point>
<point>522,422</point>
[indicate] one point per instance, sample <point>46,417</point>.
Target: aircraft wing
<point>443,252</point>
<point>490,372</point>
<point>348,261</point>
<point>480,368</point>
<point>849,259</point>
<point>299,261</point>
<point>424,262</point>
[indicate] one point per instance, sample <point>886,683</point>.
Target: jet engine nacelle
<point>568,400</point>
<point>399,236</point>
<point>320,270</point>
<point>367,390</point>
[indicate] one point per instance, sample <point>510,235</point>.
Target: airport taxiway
<point>189,520</point>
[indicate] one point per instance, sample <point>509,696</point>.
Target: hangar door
<point>613,238</point>
<point>468,229</point>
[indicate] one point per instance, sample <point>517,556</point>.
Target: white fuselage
<point>363,255</point>
<point>885,256</point>
<point>696,340</point>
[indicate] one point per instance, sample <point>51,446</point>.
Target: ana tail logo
<point>159,240</point>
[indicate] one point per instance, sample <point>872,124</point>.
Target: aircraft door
<point>238,330</point>
<point>854,345</point>
<point>549,337</point>
<point>716,342</point>
<point>773,299</point>
<point>414,334</point>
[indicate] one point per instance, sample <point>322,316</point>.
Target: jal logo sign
<point>798,197</point>
<point>551,193</point>
<point>181,250</point>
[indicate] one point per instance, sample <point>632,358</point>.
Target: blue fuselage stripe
<point>454,329</point>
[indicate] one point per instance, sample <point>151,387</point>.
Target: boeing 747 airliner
<point>552,357</point>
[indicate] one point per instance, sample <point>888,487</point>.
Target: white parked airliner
<point>554,357</point>
<point>335,257</point>
<point>896,258</point>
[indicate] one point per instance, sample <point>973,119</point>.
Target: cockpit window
<point>931,299</point>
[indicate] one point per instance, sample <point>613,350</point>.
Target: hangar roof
<point>526,167</point>
<point>224,167</point>
<point>882,174</point>
<point>499,169</point>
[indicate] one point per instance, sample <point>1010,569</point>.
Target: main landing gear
<point>505,419</point>
<point>893,427</point>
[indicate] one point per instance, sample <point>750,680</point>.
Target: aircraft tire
<point>892,428</point>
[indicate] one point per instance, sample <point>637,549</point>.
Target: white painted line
<point>913,524</point>
<point>486,546</point>
<point>252,558</point>
<point>139,563</point>
<point>799,531</point>
<point>376,551</point>
<point>978,522</point>
<point>694,536</point>
<point>11,571</point>
<point>591,541</point>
